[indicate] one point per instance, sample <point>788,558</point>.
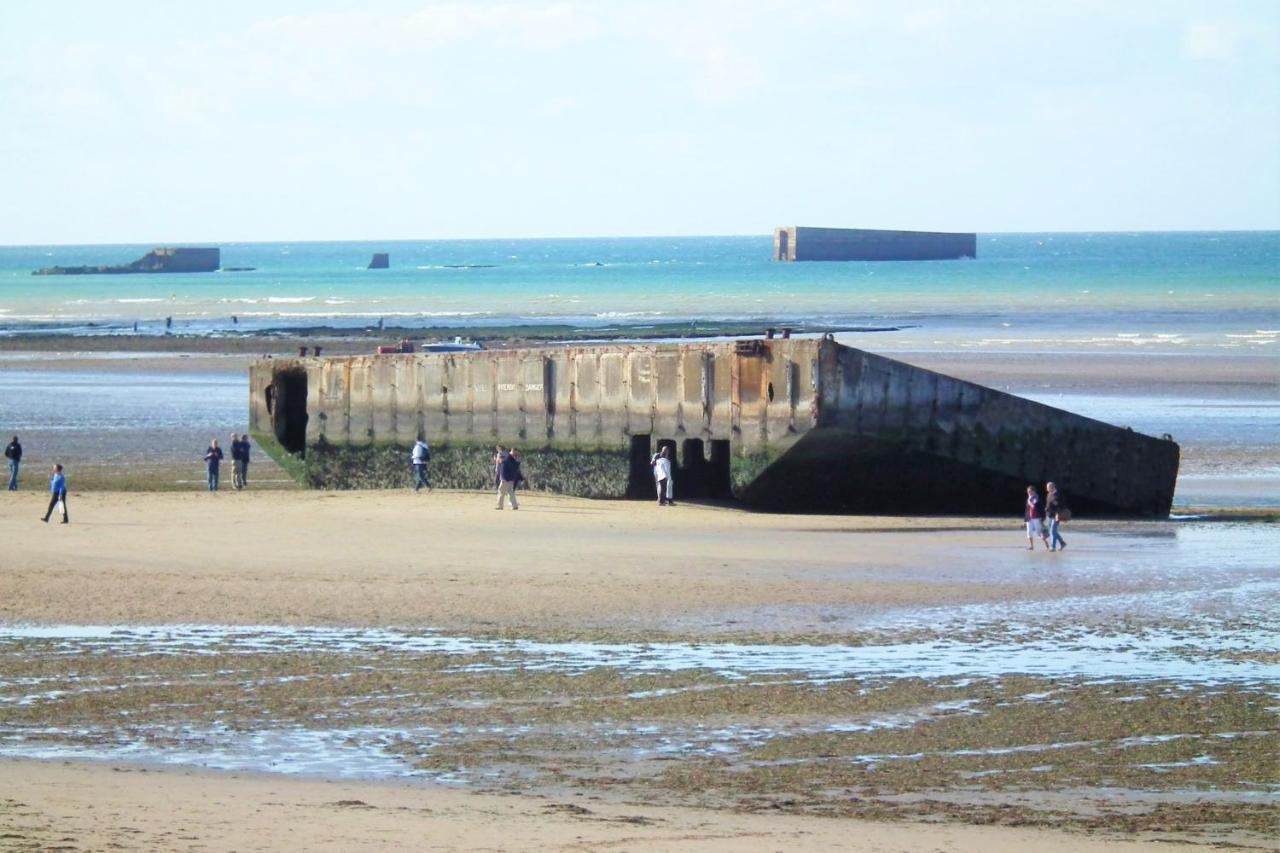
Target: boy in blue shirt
<point>57,492</point>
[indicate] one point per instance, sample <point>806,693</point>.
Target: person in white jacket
<point>418,458</point>
<point>662,477</point>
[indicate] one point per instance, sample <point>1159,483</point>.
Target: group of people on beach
<point>1044,518</point>
<point>239,461</point>
<point>57,482</point>
<point>507,474</point>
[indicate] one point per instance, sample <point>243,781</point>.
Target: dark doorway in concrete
<point>640,475</point>
<point>719,478</point>
<point>692,482</point>
<point>287,402</point>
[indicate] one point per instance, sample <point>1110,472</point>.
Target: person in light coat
<point>662,477</point>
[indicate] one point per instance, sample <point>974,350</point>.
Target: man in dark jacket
<point>213,456</point>
<point>508,476</point>
<point>13,452</point>
<point>239,460</point>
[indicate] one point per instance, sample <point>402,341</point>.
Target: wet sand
<point>99,807</point>
<point>949,674</point>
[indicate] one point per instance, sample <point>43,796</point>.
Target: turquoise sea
<point>1165,289</point>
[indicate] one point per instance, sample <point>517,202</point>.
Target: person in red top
<point>1032,516</point>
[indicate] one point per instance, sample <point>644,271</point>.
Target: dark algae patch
<point>595,473</point>
<point>1150,757</point>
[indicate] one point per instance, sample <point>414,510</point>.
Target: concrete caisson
<point>787,425</point>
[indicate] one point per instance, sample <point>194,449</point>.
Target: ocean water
<point>1162,290</point>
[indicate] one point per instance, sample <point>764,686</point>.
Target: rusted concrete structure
<point>797,425</point>
<point>156,261</point>
<point>803,243</point>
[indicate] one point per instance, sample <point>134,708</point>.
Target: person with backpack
<point>13,452</point>
<point>418,458</point>
<point>57,495</point>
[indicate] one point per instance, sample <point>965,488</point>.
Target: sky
<point>161,122</point>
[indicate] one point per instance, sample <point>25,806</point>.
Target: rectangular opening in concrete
<point>692,482</point>
<point>287,405</point>
<point>719,480</point>
<point>640,475</point>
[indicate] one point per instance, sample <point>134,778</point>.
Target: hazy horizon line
<point>353,240</point>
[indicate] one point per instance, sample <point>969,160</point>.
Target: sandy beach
<point>448,560</point>
<point>696,676</point>
<point>283,668</point>
<point>101,807</point>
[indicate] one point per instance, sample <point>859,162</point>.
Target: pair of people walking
<point>1043,519</point>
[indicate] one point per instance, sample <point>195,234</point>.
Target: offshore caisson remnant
<point>803,243</point>
<point>156,261</point>
<point>788,425</point>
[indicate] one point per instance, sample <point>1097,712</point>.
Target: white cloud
<point>1208,41</point>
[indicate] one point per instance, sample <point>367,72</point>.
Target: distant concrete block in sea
<point>787,425</point>
<point>801,243</point>
<point>156,261</point>
<point>380,261</point>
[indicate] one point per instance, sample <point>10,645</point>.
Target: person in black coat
<point>13,452</point>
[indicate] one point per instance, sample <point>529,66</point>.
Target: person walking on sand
<point>508,475</point>
<point>1031,515</point>
<point>520,478</point>
<point>13,452</point>
<point>418,458</point>
<point>213,456</point>
<point>1053,509</point>
<point>662,477</point>
<point>57,495</point>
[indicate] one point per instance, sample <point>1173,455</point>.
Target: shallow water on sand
<point>1199,616</point>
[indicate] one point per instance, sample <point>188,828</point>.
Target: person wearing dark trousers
<point>418,459</point>
<point>1053,509</point>
<point>239,461</point>
<point>13,452</point>
<point>57,493</point>
<point>213,456</point>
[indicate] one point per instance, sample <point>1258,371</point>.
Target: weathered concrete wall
<point>801,243</point>
<point>904,439</point>
<point>791,424</point>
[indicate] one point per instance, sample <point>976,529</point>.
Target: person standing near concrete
<point>237,468</point>
<point>1054,510</point>
<point>662,477</point>
<point>1031,515</point>
<point>13,452</point>
<point>57,495</point>
<point>243,467</point>
<point>418,458</point>
<point>213,456</point>
<point>508,475</point>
